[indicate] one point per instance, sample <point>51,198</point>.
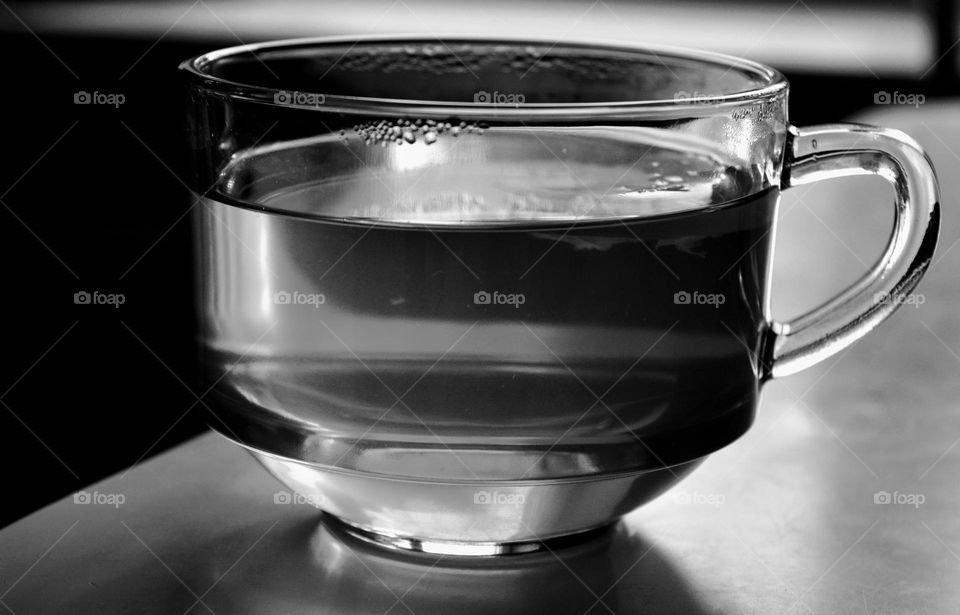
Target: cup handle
<point>839,150</point>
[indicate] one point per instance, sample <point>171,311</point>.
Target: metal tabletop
<point>842,498</point>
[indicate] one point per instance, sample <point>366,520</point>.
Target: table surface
<point>785,520</point>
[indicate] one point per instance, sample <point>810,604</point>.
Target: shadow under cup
<point>480,293</point>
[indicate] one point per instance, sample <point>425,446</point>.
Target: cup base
<point>460,548</point>
<point>483,518</point>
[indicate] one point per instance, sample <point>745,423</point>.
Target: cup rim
<point>198,72</point>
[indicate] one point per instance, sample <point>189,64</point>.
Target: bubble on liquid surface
<point>402,131</point>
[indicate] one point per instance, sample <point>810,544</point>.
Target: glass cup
<point>471,295</point>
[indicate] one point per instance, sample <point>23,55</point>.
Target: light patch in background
<point>837,39</point>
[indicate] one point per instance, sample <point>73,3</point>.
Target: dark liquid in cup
<point>615,323</point>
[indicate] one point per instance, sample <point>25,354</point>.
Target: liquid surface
<point>499,304</point>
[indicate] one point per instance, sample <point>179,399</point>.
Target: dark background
<point>91,200</point>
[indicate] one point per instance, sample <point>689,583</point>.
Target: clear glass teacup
<point>467,296</point>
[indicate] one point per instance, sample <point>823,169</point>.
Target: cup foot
<point>460,548</point>
<point>471,517</point>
